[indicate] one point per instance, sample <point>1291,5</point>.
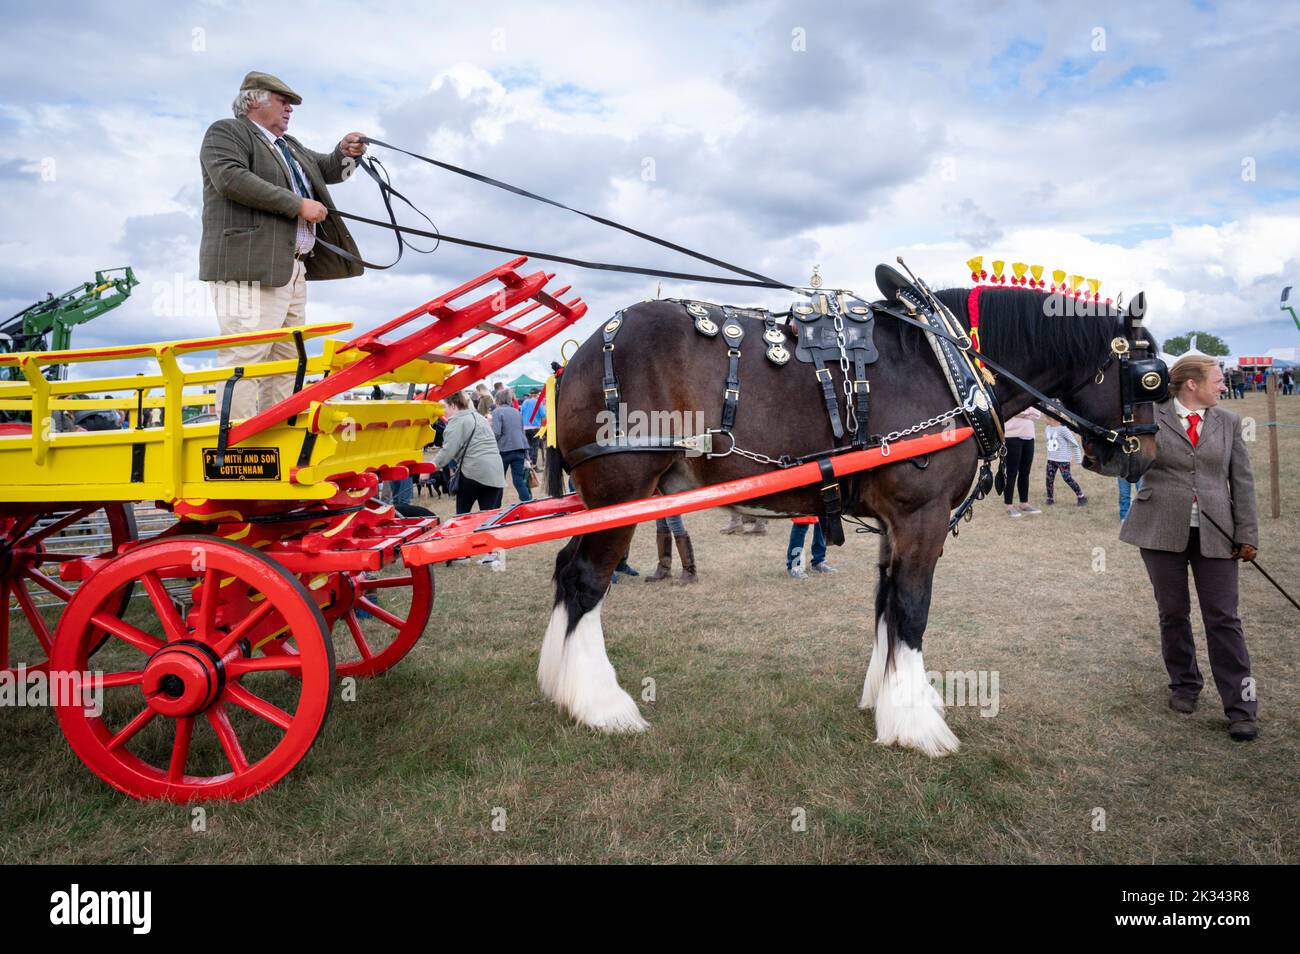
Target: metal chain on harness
<point>881,440</point>
<point>851,414</point>
<point>943,418</point>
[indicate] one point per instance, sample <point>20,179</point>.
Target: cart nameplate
<point>242,463</point>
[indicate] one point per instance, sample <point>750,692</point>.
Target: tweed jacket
<point>250,211</point>
<point>470,434</point>
<point>1219,469</point>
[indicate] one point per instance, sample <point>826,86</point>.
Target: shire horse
<point>663,364</point>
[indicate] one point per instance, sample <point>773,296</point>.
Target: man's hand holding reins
<point>352,145</point>
<point>313,211</point>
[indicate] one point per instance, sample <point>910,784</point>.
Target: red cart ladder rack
<point>487,316</point>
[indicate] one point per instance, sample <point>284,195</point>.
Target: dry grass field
<point>756,680</point>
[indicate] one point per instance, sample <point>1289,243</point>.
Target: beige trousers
<point>251,306</point>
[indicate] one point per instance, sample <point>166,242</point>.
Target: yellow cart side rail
<point>183,346</point>
<point>39,391</point>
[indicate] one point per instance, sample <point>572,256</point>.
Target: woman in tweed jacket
<point>1196,510</point>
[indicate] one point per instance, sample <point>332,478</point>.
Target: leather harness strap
<point>959,371</point>
<point>733,332</point>
<point>832,504</point>
<point>828,396</point>
<point>610,383</point>
<point>862,397</point>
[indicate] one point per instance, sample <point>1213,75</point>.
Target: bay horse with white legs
<point>661,362</point>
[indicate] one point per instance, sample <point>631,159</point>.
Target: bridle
<point>1141,381</point>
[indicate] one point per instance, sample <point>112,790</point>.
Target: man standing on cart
<point>265,204</point>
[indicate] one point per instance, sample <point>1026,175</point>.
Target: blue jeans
<point>401,491</point>
<point>798,534</point>
<point>1125,495</point>
<point>515,462</point>
<point>673,524</point>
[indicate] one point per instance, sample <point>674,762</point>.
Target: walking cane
<point>1254,563</point>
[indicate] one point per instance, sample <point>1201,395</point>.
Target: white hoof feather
<point>909,711</point>
<point>575,674</point>
<point>876,668</point>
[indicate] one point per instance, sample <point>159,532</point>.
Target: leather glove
<point>1244,551</point>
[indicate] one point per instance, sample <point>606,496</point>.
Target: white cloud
<point>914,128</point>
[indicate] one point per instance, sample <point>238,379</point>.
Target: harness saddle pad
<point>817,334</point>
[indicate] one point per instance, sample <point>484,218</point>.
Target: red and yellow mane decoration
<point>1018,279</point>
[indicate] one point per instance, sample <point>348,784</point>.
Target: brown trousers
<point>248,306</point>
<point>1216,591</point>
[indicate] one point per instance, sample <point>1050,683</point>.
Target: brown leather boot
<point>736,525</point>
<point>664,569</point>
<point>756,526</point>
<point>687,553</point>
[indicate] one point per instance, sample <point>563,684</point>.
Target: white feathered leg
<point>576,674</point>
<point>909,712</point>
<point>875,668</point>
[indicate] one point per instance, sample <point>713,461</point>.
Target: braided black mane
<point>1020,326</point>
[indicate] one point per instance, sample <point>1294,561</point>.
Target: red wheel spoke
<point>380,649</point>
<point>43,581</point>
<point>61,556</point>
<point>358,637</point>
<point>220,721</point>
<point>208,598</point>
<point>58,525</point>
<point>145,642</point>
<point>378,612</point>
<point>259,706</point>
<point>19,530</point>
<point>34,617</point>
<point>222,646</point>
<point>173,626</point>
<point>384,583</point>
<point>135,725</point>
<point>180,749</point>
<point>113,680</point>
<point>289,662</point>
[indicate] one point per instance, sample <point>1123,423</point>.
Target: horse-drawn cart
<point>280,545</point>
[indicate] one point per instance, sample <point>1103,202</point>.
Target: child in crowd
<point>1063,449</point>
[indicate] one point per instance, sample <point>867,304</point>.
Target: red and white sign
<point>1254,361</point>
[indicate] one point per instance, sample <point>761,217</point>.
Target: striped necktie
<point>299,186</point>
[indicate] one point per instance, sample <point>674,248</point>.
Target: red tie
<point>1193,422</point>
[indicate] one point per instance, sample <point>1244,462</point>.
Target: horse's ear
<point>889,281</point>
<point>1137,308</point>
<point>1133,315</point>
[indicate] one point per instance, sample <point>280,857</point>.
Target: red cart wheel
<point>27,561</point>
<point>372,634</point>
<point>192,707</point>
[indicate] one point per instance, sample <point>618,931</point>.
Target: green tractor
<point>47,325</point>
<point>1288,307</point>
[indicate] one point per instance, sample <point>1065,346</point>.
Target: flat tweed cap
<point>257,80</point>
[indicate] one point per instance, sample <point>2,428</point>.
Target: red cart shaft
<point>554,517</point>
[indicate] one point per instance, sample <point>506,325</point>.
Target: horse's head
<point>1120,398</point>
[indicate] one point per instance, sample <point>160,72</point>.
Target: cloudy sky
<point>1153,148</point>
